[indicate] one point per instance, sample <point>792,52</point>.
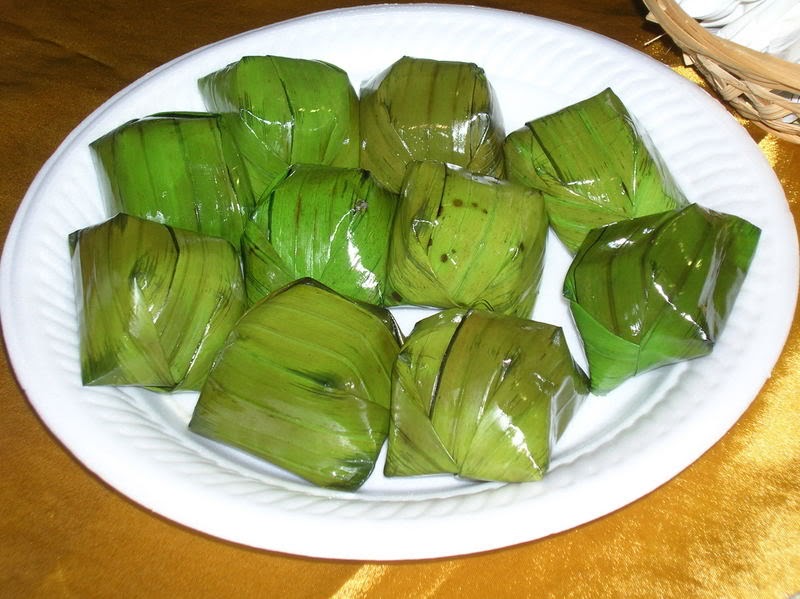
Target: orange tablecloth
<point>728,526</point>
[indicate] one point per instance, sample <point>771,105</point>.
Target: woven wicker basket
<point>754,83</point>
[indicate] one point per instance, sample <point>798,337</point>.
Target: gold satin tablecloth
<point>727,527</point>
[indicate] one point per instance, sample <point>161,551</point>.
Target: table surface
<point>728,526</point>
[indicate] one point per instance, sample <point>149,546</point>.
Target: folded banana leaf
<point>657,289</point>
<point>461,239</point>
<point>328,223</point>
<point>594,165</point>
<point>304,382</point>
<point>422,109</point>
<point>177,169</point>
<point>283,111</point>
<point>155,302</point>
<point>481,395</point>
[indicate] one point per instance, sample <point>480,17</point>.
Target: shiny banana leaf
<point>657,289</point>
<point>155,302</point>
<point>481,395</point>
<point>177,169</point>
<point>461,239</point>
<point>414,446</point>
<point>594,165</point>
<point>304,382</point>
<point>283,111</point>
<point>422,109</point>
<point>328,223</point>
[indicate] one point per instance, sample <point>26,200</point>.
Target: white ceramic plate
<point>619,447</point>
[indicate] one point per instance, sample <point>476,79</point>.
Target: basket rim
<point>694,38</point>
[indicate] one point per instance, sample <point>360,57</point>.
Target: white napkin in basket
<point>770,26</point>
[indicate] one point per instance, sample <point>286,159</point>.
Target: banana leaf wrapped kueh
<point>594,166</point>
<point>657,289</point>
<point>281,111</point>
<point>177,169</point>
<point>461,239</point>
<point>481,395</point>
<point>422,109</point>
<point>328,223</point>
<point>155,302</point>
<point>304,382</point>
